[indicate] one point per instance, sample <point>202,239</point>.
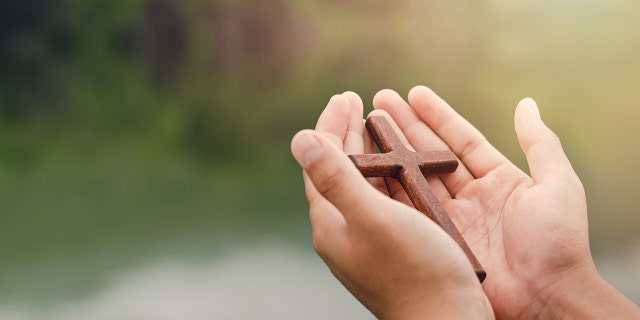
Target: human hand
<point>529,233</point>
<point>392,258</point>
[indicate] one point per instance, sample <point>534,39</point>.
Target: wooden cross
<point>409,168</point>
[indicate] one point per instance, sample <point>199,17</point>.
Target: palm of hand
<point>521,232</point>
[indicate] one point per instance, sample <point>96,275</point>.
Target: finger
<point>354,139</point>
<point>420,135</point>
<point>334,176</point>
<point>333,121</point>
<point>471,147</point>
<point>328,226</point>
<point>545,156</point>
<point>357,140</point>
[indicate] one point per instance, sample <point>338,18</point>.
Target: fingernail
<point>306,149</point>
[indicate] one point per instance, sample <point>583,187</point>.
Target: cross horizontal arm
<point>436,162</point>
<point>389,164</point>
<point>376,165</point>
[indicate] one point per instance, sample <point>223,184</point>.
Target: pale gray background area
<point>266,281</point>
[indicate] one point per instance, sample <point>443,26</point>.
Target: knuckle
<point>330,183</point>
<point>318,243</point>
<point>319,240</point>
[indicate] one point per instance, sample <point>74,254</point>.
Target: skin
<point>530,232</point>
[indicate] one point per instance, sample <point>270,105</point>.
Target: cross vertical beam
<point>409,168</point>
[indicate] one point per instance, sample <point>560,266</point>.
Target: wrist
<point>463,303</point>
<point>583,294</point>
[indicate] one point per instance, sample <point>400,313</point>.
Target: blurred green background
<point>156,130</point>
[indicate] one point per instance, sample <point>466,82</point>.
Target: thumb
<point>545,156</point>
<point>333,175</point>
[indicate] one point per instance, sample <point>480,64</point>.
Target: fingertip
<point>541,146</point>
<point>306,147</point>
<point>354,99</point>
<point>336,96</point>
<point>353,140</point>
<point>384,97</point>
<point>340,101</point>
<point>356,111</point>
<point>331,173</point>
<point>530,106</point>
<point>331,119</point>
<point>426,102</point>
<point>527,121</point>
<point>419,92</point>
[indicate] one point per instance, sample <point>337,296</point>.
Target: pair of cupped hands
<point>529,232</point>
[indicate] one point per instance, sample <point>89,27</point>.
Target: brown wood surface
<point>410,168</point>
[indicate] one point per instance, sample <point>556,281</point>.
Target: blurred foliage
<point>126,125</point>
